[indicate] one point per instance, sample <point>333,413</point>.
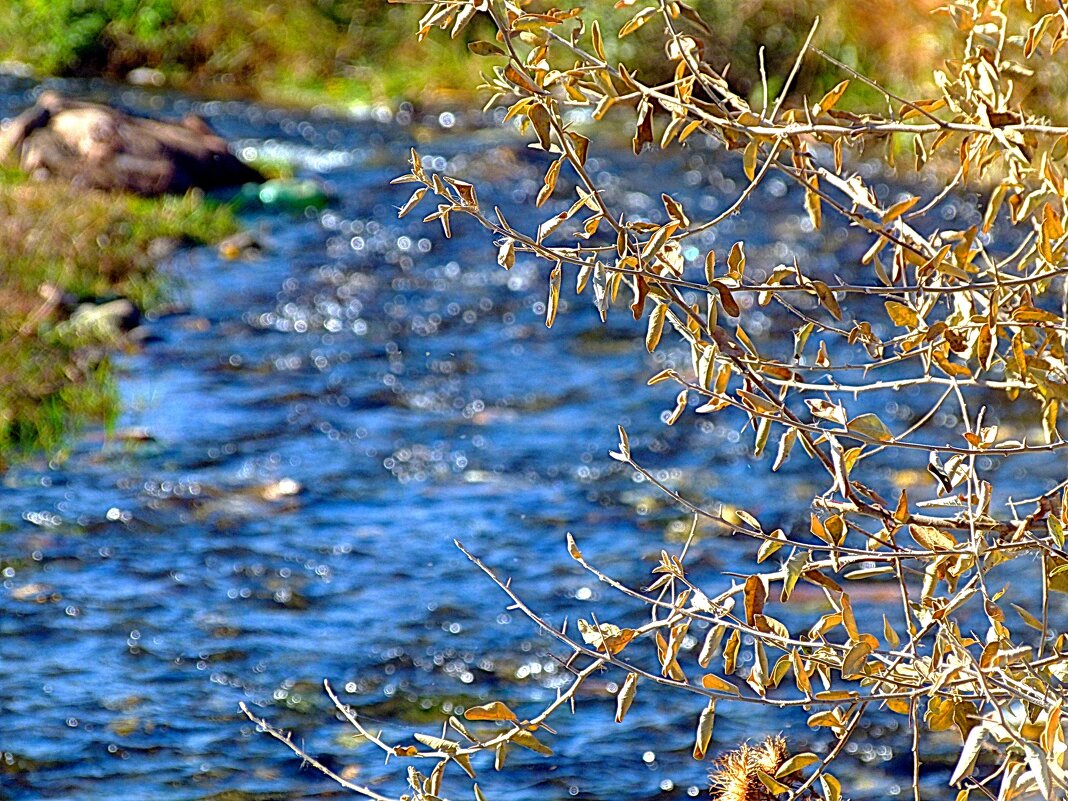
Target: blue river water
<point>305,433</point>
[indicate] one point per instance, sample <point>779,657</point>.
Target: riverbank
<point>75,279</point>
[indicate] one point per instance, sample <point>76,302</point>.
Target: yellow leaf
<point>931,538</point>
<point>572,548</point>
<point>800,674</point>
<point>1027,617</point>
<point>755,596</point>
<point>812,203</point>
<point>749,159</point>
<point>869,425</point>
<point>730,652</point>
<point>795,763</point>
<point>795,566</point>
<point>506,254</point>
<point>774,787</point>
<point>485,49</point>
<point>675,210</point>
<point>855,659</point>
<point>899,208</point>
<point>1029,314</point>
<point>598,41</point>
<point>832,788</point>
<point>827,299</point>
<point>901,314</point>
<point>437,743</point>
<point>736,261</point>
<point>711,644</point>
<point>412,201</point>
<point>889,634</point>
<point>636,22</point>
<point>774,541</point>
<point>829,717</point>
<point>605,636</point>
<point>710,266</point>
<point>464,761</point>
<point>898,705</point>
<point>541,120</point>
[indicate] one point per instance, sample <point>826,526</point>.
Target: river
<point>303,437</point>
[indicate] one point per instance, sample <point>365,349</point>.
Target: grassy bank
<point>57,256</point>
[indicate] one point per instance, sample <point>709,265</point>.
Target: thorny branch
<point>972,315</point>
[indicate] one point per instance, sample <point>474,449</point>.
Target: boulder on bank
<point>100,147</point>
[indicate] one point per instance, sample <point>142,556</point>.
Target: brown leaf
<point>726,298</point>
<point>756,593</point>
<point>643,132</point>
<point>485,49</point>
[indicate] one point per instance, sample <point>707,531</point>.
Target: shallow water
<point>303,438</point>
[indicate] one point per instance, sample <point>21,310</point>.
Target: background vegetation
<point>345,51</point>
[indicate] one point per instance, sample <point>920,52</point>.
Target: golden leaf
<point>828,101</point>
<point>901,314</point>
<point>710,681</point>
<point>656,326</point>
<point>855,659</point>
<point>494,710</point>
<point>704,730</point>
<point>529,741</point>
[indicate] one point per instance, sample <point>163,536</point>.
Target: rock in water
<point>101,147</point>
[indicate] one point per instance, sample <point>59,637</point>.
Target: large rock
<point>100,147</point>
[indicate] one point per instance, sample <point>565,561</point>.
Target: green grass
<point>54,378</point>
<point>300,52</point>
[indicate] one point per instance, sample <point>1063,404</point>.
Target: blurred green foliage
<point>313,50</point>
<point>63,36</point>
<point>298,50</point>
